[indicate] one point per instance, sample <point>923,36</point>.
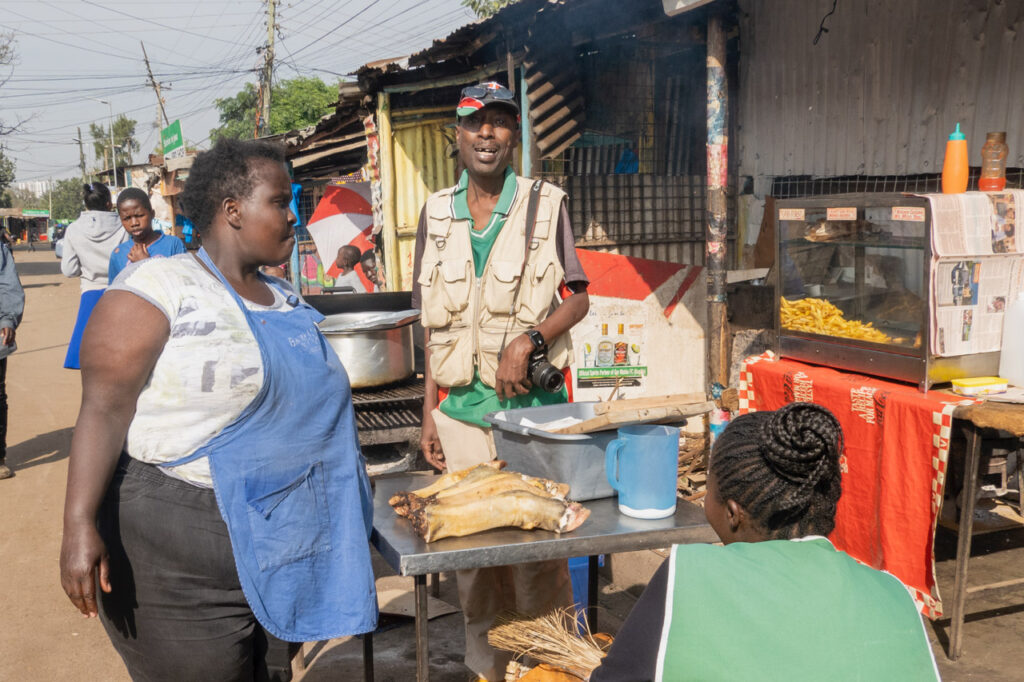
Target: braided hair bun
<point>783,468</point>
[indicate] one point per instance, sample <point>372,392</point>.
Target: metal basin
<point>376,348</point>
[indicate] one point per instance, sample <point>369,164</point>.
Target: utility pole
<point>81,154</point>
<point>50,217</point>
<point>156,88</point>
<point>268,68</point>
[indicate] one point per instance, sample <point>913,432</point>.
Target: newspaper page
<point>970,295</point>
<point>976,223</point>
<point>977,268</point>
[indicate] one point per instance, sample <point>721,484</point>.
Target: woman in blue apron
<point>216,491</point>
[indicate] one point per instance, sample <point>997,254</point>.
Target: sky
<point>70,53</point>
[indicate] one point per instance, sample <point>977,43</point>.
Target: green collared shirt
<point>470,403</point>
<point>483,240</point>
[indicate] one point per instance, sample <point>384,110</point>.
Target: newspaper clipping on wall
<point>977,268</point>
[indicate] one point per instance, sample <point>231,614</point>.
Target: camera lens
<point>547,376</point>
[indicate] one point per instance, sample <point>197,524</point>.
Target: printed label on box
<point>841,213</point>
<point>791,214</point>
<point>910,214</point>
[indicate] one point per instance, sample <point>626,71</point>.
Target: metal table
<point>606,531</point>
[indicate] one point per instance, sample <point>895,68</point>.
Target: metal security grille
<point>794,186</point>
<point>308,199</point>
<point>636,176</point>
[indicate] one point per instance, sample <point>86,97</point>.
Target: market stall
<point>913,289</point>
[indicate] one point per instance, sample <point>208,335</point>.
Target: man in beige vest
<point>490,295</point>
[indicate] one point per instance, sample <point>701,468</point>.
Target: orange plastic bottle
<point>954,168</point>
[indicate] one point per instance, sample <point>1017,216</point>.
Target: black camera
<point>542,373</point>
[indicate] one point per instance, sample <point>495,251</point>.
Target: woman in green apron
<point>777,601</point>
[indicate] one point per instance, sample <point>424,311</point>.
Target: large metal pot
<point>375,347</point>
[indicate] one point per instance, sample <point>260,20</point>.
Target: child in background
<point>136,213</point>
<point>368,262</point>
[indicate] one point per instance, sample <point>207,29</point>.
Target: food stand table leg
<point>592,592</point>
<point>435,585</point>
<point>368,657</point>
<point>422,648</point>
<point>963,545</point>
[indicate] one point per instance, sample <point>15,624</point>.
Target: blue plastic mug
<point>642,464</point>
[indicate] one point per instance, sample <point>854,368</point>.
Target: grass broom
<point>552,638</point>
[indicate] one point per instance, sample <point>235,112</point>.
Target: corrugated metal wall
<point>881,91</point>
<point>421,168</point>
<point>645,216</point>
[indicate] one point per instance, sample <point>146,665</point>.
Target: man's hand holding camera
<point>511,378</point>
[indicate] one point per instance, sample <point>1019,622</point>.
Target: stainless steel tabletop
<point>606,531</point>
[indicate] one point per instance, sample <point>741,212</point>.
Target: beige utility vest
<point>467,317</point>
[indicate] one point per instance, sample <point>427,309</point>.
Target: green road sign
<point>172,141</point>
<point>35,213</point>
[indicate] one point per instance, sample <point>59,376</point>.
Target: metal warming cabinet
<point>854,288</point>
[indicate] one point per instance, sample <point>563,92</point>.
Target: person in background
<point>778,601</point>
<point>471,247</point>
<point>368,262</point>
<point>136,214</point>
<point>12,306</point>
<point>346,261</point>
<point>216,491</point>
<point>86,254</point>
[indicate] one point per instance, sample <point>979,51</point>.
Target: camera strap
<point>531,221</point>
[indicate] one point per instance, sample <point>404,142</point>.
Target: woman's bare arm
<point>121,344</point>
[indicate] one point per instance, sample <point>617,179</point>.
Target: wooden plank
<point>653,401</point>
<point>612,420</point>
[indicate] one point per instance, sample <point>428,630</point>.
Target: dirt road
<point>44,637</point>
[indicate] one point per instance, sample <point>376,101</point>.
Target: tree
<point>67,199</point>
<point>6,178</point>
<point>486,8</point>
<point>294,104</point>
<point>124,141</point>
<point>6,164</point>
<point>7,55</point>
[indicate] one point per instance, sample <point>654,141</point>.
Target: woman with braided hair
<point>777,601</point>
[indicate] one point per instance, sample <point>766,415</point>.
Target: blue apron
<point>292,487</point>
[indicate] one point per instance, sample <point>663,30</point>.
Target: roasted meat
<point>484,497</point>
<point>516,508</point>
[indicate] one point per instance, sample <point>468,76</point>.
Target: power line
<point>157,23</point>
<point>344,23</point>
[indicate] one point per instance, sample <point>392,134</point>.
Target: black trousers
<point>3,410</point>
<point>177,612</point>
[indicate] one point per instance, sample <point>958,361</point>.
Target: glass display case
<point>853,288</point>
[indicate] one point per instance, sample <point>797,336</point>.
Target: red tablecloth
<point>893,465</point>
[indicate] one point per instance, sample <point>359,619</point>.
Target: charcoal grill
<point>388,420</point>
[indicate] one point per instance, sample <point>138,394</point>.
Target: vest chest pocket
<point>288,513</point>
<point>500,287</point>
<point>538,297</point>
<point>455,274</point>
<point>433,312</point>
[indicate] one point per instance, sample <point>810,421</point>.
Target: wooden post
<point>717,226</point>
<point>389,233</point>
<point>527,146</point>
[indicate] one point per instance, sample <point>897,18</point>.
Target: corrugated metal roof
<point>881,91</point>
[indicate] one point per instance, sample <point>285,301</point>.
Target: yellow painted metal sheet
<point>406,252</point>
<point>421,168</point>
